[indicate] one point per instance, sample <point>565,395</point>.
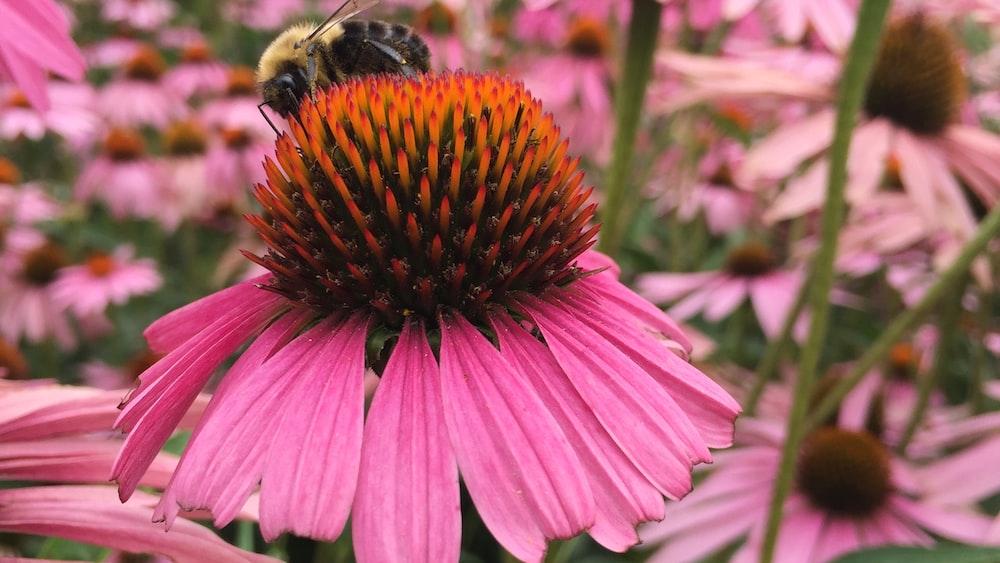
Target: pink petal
<point>622,496</point>
<point>225,455</point>
<point>311,470</point>
<point>170,386</point>
<point>520,470</point>
<point>772,297</point>
<point>94,515</point>
<point>656,435</point>
<point>777,156</point>
<point>959,525</point>
<point>833,22</point>
<point>726,298</point>
<point>956,479</point>
<point>709,407</point>
<point>666,287</point>
<point>73,460</point>
<point>407,504</point>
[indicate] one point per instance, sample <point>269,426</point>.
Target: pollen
<point>435,19</point>
<point>10,174</point>
<point>12,362</point>
<point>917,81</point>
<point>197,52</point>
<point>750,260</point>
<point>147,65</point>
<point>40,265</point>
<point>185,138</point>
<point>588,37</point>
<point>122,145</point>
<point>844,472</point>
<point>101,264</point>
<point>404,196</point>
<point>242,82</point>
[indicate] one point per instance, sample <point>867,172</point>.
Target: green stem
<point>858,66</point>
<point>908,319</point>
<point>643,31</point>
<point>948,319</point>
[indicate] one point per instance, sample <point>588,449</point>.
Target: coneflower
<point>435,230</point>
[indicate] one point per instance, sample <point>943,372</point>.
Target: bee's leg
<point>260,107</point>
<point>311,68</point>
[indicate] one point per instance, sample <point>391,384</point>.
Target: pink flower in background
<point>850,492</point>
<point>198,72</point>
<point>184,164</point>
<point>750,273</point>
<point>263,14</point>
<point>125,179</point>
<point>831,20</point>
<point>105,279</point>
<point>140,14</point>
<point>71,114</point>
<point>112,52</point>
<point>27,308</point>
<point>36,41</point>
<point>585,431</point>
<point>138,97</point>
<point>575,84</point>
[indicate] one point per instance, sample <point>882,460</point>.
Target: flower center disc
<point>917,82</point>
<point>844,472</point>
<point>404,196</point>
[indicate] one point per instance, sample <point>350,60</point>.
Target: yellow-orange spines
<point>403,196</point>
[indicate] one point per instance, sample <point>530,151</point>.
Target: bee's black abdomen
<point>353,54</point>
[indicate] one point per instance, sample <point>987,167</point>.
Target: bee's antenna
<point>339,15</point>
<point>260,108</point>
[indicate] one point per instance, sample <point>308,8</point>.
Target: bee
<point>304,57</point>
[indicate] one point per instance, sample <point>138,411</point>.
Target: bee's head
<point>284,91</point>
<point>281,72</point>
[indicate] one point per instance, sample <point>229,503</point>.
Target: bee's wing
<point>347,10</point>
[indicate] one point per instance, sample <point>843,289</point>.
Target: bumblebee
<point>305,57</point>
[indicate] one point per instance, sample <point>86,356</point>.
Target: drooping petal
<point>80,459</point>
<point>93,514</point>
<point>169,387</point>
<point>308,488</point>
<point>706,404</point>
<point>224,457</point>
<point>407,503</point>
<point>656,435</point>
<point>623,496</point>
<point>520,470</point>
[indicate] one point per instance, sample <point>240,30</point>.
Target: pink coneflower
<point>140,14</point>
<point>238,108</point>
<point>27,309</point>
<point>188,193</point>
<point>438,25</point>
<point>851,492</point>
<point>263,14</point>
<point>105,279</point>
<point>434,230</point>
<point>751,272</point>
<point>832,21</point>
<point>575,84</point>
<point>123,177</point>
<point>138,97</point>
<point>71,114</point>
<point>113,52</point>
<point>23,204</point>
<point>36,41</point>
<point>197,72</point>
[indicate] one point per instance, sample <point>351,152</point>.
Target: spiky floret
<point>406,196</point>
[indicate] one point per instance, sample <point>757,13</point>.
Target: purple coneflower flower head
<point>125,179</point>
<point>104,279</point>
<point>27,308</point>
<point>435,230</point>
<point>140,14</point>
<point>198,72</point>
<point>138,96</point>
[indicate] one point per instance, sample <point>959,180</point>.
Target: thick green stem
<point>860,59</point>
<point>643,30</point>
<point>908,319</point>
